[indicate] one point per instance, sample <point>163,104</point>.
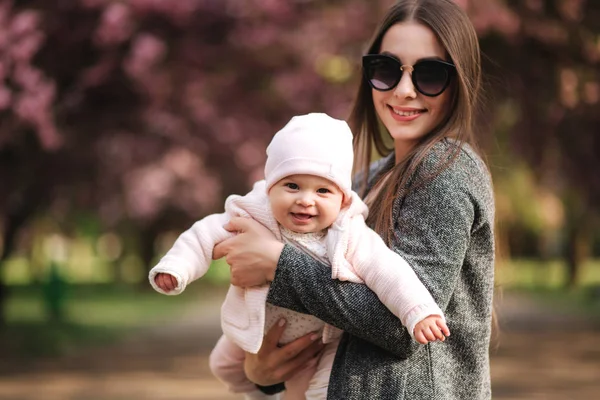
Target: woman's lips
<point>405,115</point>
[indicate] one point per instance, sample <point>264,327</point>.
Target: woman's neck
<point>401,150</point>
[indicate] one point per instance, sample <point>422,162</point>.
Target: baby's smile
<point>302,216</point>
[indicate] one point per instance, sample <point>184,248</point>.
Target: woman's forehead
<point>411,41</point>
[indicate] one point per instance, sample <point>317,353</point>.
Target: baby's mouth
<point>302,216</point>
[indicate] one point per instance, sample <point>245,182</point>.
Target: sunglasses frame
<point>369,58</point>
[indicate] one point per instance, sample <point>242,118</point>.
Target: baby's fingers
<point>443,327</point>
<point>158,279</point>
<point>431,333</point>
<point>163,281</point>
<point>420,337</point>
<point>437,333</point>
<point>173,282</point>
<point>424,334</point>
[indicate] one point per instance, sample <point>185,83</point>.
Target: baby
<point>306,200</point>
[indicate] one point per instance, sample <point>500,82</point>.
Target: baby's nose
<point>305,200</point>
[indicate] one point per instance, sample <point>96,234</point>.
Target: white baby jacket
<point>356,252</point>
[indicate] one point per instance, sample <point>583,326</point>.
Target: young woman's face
<point>407,114</point>
<point>305,203</point>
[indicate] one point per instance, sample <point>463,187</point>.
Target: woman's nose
<point>405,88</point>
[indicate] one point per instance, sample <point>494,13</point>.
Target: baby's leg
<point>296,386</point>
<point>227,364</point>
<point>311,383</point>
<point>317,387</point>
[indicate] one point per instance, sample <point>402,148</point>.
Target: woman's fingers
<point>236,224</point>
<point>273,364</point>
<point>299,359</point>
<point>300,347</point>
<point>252,254</point>
<point>239,224</point>
<point>273,336</point>
<point>220,250</point>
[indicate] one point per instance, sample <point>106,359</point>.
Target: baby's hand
<point>431,329</point>
<point>165,281</point>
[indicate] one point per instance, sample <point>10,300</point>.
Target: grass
<point>92,315</point>
<point>536,274</point>
<point>100,314</point>
<point>545,281</point>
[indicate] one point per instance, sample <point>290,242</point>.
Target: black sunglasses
<point>430,77</point>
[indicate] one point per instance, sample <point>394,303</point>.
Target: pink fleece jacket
<point>356,252</point>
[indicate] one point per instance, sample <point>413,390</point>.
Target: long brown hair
<point>457,35</point>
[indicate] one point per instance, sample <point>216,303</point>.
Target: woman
<point>430,198</point>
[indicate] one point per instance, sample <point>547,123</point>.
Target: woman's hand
<point>273,364</point>
<point>252,254</point>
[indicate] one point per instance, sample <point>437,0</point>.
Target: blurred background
<point>123,122</point>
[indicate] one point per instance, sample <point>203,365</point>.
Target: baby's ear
<point>346,201</point>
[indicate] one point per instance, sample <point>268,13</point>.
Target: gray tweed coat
<point>445,232</point>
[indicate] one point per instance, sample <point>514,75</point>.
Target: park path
<point>544,354</point>
<point>541,355</point>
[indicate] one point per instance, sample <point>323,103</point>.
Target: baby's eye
<point>292,186</point>
<point>323,191</point>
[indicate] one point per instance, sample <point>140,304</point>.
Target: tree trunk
<point>503,250</point>
<point>3,297</point>
<point>13,224</point>
<point>147,239</point>
<point>578,249</point>
<point>20,206</point>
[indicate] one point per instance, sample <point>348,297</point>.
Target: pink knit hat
<point>312,144</point>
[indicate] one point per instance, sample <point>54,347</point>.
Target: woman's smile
<point>404,114</point>
<point>407,114</point>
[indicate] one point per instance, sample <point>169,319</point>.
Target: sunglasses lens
<point>431,78</point>
<point>383,73</point>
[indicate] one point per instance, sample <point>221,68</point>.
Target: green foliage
<point>533,274</point>
<point>54,294</point>
<point>93,314</point>
<point>123,120</point>
<point>582,301</point>
<point>545,281</point>
<point>218,273</point>
<point>516,189</point>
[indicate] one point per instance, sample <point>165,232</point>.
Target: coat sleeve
<point>432,233</point>
<point>190,256</point>
<point>389,276</point>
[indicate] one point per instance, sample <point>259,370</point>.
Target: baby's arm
<point>394,281</point>
<point>190,256</point>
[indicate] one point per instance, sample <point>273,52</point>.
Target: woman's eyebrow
<point>387,53</point>
<point>431,58</point>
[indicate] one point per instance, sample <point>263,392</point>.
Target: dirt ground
<point>540,355</point>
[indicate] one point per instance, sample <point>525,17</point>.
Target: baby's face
<point>305,203</point>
